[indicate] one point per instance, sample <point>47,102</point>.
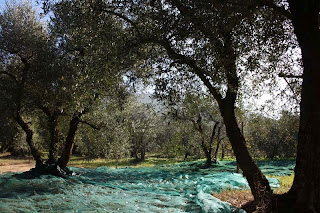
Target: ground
<point>15,164</point>
<point>235,197</point>
<point>16,167</point>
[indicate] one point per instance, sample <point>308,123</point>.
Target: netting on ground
<point>183,187</point>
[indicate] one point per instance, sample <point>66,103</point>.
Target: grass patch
<point>239,197</point>
<point>76,161</point>
<point>285,183</point>
<point>7,159</point>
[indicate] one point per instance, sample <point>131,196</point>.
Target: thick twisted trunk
<point>54,134</point>
<point>306,188</point>
<point>24,125</point>
<point>54,139</point>
<point>67,151</point>
<point>29,134</point>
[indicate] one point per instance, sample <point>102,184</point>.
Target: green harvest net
<point>183,187</point>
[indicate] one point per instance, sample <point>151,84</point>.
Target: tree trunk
<point>226,54</point>
<point>207,153</point>
<point>258,183</point>
<point>186,155</point>
<point>54,134</point>
<point>222,151</point>
<point>218,143</point>
<point>143,154</point>
<point>67,151</point>
<point>306,187</point>
<point>238,167</point>
<point>29,133</point>
<point>217,149</point>
<point>53,140</point>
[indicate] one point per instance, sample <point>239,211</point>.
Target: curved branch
<point>182,59</point>
<point>13,77</point>
<point>282,75</point>
<point>89,124</point>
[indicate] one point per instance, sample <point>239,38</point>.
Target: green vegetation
<point>127,162</point>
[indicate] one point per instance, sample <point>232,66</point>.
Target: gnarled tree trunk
<point>29,134</point>
<point>67,151</point>
<point>306,188</point>
<point>54,134</point>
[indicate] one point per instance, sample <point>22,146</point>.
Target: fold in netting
<point>183,187</point>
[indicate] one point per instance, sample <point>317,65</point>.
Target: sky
<point>2,3</point>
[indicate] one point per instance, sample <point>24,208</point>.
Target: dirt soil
<point>9,163</point>
<point>16,167</point>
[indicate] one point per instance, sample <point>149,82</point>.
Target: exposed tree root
<point>280,203</point>
<point>47,169</point>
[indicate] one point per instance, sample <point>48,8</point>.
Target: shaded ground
<point>178,188</point>
<point>184,187</point>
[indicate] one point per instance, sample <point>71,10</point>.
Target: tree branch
<point>89,124</point>
<point>13,77</point>
<point>279,9</point>
<point>282,75</point>
<point>182,59</point>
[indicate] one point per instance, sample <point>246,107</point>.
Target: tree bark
<point>25,126</point>
<point>258,183</point>
<point>53,140</point>
<point>67,151</point>
<point>222,151</point>
<point>207,153</point>
<point>306,187</point>
<point>54,134</point>
<point>218,143</point>
<point>29,134</point>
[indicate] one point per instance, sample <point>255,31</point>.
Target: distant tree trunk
<point>207,153</point>
<point>222,151</point>
<point>185,143</point>
<point>306,187</point>
<point>238,167</point>
<point>143,154</point>
<point>29,134</point>
<point>218,143</point>
<point>186,155</point>
<point>67,151</point>
<point>134,151</point>
<point>142,149</point>
<point>207,150</point>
